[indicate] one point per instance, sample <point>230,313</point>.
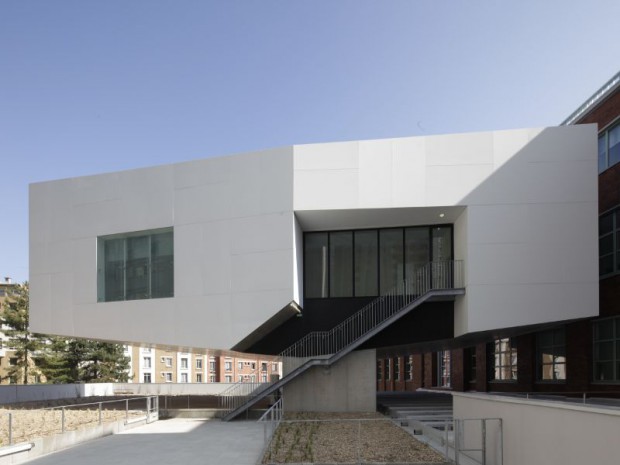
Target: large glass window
<point>551,350</point>
<point>136,266</point>
<point>371,262</point>
<point>391,258</point>
<point>609,148</point>
<point>609,243</point>
<point>366,257</point>
<point>607,350</point>
<point>417,250</point>
<point>341,264</point>
<point>316,265</point>
<point>504,360</point>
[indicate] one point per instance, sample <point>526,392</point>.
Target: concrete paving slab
<point>185,441</point>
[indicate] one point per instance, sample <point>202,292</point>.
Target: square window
<point>138,265</point>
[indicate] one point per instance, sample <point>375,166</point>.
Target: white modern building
<point>254,251</point>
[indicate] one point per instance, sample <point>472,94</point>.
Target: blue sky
<point>92,86</point>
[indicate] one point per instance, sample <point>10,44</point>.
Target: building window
<point>13,361</point>
<point>147,362</point>
<point>184,363</point>
<point>379,370</point>
<point>198,364</point>
<point>135,266</point>
<point>240,378</point>
<point>211,365</point>
<point>551,355</point>
<point>199,377</point>
<point>274,367</point>
<point>397,369</point>
<point>608,148</point>
<point>443,368</point>
<point>184,377</point>
<point>409,367</point>
<point>388,371</point>
<point>228,379</point>
<point>609,243</point>
<point>470,355</point>
<point>263,378</point>
<point>504,360</point>
<point>212,378</point>
<point>240,365</point>
<point>168,361</point>
<point>228,365</point>
<point>146,378</point>
<point>607,350</point>
<point>168,377</point>
<point>263,366</point>
<point>370,262</point>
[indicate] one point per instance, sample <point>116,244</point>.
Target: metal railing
<point>479,441</point>
<point>330,345</point>
<point>426,278</point>
<point>26,424</point>
<point>271,420</point>
<point>237,394</point>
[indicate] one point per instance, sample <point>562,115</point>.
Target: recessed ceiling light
<point>441,215</point>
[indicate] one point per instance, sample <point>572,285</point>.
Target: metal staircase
<point>430,281</point>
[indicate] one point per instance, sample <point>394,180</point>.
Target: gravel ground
<point>345,438</point>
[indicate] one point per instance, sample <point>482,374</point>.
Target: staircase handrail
<point>422,282</point>
<point>432,276</point>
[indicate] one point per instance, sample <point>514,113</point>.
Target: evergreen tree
<point>60,360</point>
<point>53,362</point>
<point>103,363</point>
<point>85,361</point>
<point>16,321</point>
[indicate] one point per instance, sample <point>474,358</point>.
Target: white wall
<point>523,202</point>
<point>349,385</point>
<point>529,236</point>
<point>233,239</point>
<point>537,432</point>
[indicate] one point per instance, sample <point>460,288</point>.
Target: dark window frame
<point>403,229</point>
<point>151,265</point>
<point>603,136</point>
<point>500,355</point>
<point>614,340</point>
<point>557,348</point>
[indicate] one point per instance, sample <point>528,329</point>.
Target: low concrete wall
<point>552,433</point>
<point>173,389</point>
<point>13,393</point>
<point>347,386</point>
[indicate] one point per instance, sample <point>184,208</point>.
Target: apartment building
<point>155,365</point>
<point>466,261</point>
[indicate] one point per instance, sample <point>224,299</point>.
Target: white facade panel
<point>531,201</point>
<point>523,204</point>
<point>233,229</point>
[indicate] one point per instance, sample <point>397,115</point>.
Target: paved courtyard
<point>182,441</point>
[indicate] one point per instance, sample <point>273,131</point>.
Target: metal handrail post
<point>10,428</point>
<point>99,412</point>
<point>484,441</point>
<point>62,419</point>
